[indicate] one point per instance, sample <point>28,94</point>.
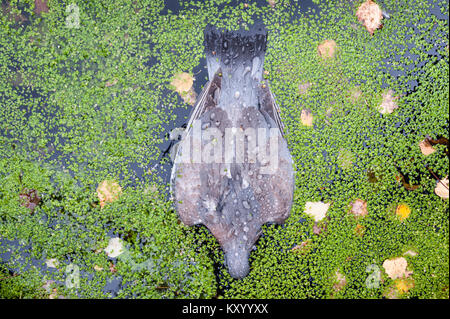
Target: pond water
<point>174,114</point>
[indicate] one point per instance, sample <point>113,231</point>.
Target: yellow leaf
<point>403,211</point>
<point>404,285</point>
<point>306,117</point>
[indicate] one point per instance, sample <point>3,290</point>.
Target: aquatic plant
<point>86,97</point>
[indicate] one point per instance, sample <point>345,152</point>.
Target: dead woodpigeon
<point>233,171</point>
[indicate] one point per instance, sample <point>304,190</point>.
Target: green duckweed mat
<point>85,97</point>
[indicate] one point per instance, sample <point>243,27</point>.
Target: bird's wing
<point>269,105</point>
<point>206,100</point>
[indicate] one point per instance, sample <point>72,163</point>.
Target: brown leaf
<point>112,268</point>
<point>304,247</point>
<point>29,198</point>
<point>272,3</point>
<point>426,148</point>
<point>360,230</point>
<point>182,83</point>
<point>316,229</point>
<point>370,14</point>
<point>327,49</point>
<point>441,188</point>
<point>111,83</point>
<point>355,94</point>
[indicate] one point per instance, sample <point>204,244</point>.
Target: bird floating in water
<point>233,171</point>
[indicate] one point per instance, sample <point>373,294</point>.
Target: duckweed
<point>86,97</point>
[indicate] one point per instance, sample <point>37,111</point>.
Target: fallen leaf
<point>426,148</point>
<point>355,94</point>
<point>403,211</point>
<point>370,14</point>
<point>404,285</point>
<point>316,229</point>
<point>388,103</point>
<point>29,198</point>
<point>391,293</point>
<point>441,188</point>
<point>108,191</point>
<point>114,248</point>
<point>359,207</point>
<point>98,268</point>
<point>402,181</point>
<point>340,281</point>
<point>112,268</point>
<point>396,268</point>
<point>306,117</point>
<point>316,210</point>
<point>47,285</point>
<point>360,230</point>
<point>327,49</point>
<point>182,82</point>
<point>304,247</point>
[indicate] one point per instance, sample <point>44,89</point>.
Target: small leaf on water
<point>403,211</point>
<point>29,198</point>
<point>426,148</point>
<point>306,117</point>
<point>108,191</point>
<point>370,14</point>
<point>327,49</point>
<point>317,210</point>
<point>388,103</point>
<point>441,188</point>
<point>359,207</point>
<point>396,268</point>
